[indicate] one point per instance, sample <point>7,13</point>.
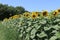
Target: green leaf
<point>57,34</point>
<point>53,38</point>
<point>28,29</point>
<point>29,23</point>
<point>47,28</point>
<point>33,31</point>
<point>42,34</point>
<point>56,27</point>
<point>27,37</point>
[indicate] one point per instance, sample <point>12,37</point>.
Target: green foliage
<point>30,29</point>
<point>7,11</point>
<point>23,28</point>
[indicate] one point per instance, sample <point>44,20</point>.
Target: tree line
<point>7,11</point>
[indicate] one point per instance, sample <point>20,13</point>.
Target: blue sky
<point>34,5</point>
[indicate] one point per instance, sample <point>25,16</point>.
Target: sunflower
<point>38,13</point>
<point>58,10</point>
<point>55,13</point>
<point>26,14</point>
<point>34,15</point>
<point>15,16</point>
<point>45,13</point>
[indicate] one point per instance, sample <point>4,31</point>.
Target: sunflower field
<point>31,26</point>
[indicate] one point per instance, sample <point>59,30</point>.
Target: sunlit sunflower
<point>58,10</point>
<point>38,13</point>
<point>45,13</point>
<point>55,13</point>
<point>34,15</point>
<point>15,16</point>
<point>26,14</point>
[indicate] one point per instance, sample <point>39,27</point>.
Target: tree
<point>20,9</point>
<point>7,11</point>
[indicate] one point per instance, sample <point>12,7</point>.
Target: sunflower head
<point>23,14</point>
<point>38,13</point>
<point>15,16</point>
<point>45,13</point>
<point>55,13</point>
<point>58,10</point>
<point>34,15</point>
<point>26,14</point>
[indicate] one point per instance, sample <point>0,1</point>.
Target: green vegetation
<point>8,11</point>
<point>19,24</point>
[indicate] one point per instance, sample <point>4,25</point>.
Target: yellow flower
<point>23,14</point>
<point>34,15</point>
<point>45,13</point>
<point>15,16</point>
<point>55,13</point>
<point>38,13</point>
<point>26,14</point>
<point>58,10</point>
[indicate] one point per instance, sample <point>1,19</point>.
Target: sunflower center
<point>34,16</point>
<point>44,13</point>
<point>38,15</point>
<point>55,13</point>
<point>27,15</point>
<point>24,14</point>
<point>58,10</point>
